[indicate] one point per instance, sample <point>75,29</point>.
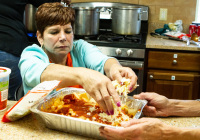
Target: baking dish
<point>76,125</point>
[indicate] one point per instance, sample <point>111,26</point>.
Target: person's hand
<point>100,88</point>
<point>138,129</point>
<point>117,72</point>
<point>158,105</point>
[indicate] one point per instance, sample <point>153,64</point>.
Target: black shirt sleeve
<point>37,3</point>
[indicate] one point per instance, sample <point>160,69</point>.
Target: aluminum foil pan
<point>76,125</point>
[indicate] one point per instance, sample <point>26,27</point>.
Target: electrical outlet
<point>163,14</point>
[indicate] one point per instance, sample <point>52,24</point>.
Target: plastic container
<point>4,84</point>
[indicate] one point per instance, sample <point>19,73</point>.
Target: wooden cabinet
<point>175,75</point>
<point>174,60</point>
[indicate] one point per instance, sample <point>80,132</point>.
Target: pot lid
<point>127,7</point>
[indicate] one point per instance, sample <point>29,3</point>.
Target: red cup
<point>192,29</point>
<point>198,30</point>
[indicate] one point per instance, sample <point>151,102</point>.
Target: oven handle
<point>132,64</point>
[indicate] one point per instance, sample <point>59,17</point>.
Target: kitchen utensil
<point>164,37</point>
<point>185,39</point>
<point>194,42</point>
<point>126,20</point>
<point>86,20</point>
<point>194,37</point>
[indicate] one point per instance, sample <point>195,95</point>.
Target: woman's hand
<point>140,129</point>
<point>100,88</point>
<point>158,105</point>
<point>117,72</point>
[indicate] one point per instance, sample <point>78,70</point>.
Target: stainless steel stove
<point>128,49</point>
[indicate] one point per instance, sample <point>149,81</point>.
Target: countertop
<point>159,43</point>
<point>31,127</point>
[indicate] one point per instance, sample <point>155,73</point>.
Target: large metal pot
<point>86,21</point>
<point>29,18</point>
<point>126,20</point>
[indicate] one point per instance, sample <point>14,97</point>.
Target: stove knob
<point>118,51</point>
<point>129,52</point>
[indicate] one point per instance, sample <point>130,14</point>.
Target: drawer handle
<point>174,62</point>
<point>151,76</point>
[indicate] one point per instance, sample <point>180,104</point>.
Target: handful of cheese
<point>122,87</point>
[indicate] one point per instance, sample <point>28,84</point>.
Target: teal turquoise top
<point>34,60</point>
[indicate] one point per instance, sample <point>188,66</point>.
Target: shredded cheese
<point>122,87</point>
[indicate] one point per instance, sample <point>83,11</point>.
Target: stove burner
<point>86,37</point>
<point>120,38</point>
<point>111,37</point>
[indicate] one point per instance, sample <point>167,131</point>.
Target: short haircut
<point>49,14</point>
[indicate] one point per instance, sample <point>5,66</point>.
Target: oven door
<point>138,68</point>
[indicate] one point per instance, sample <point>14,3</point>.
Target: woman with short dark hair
<point>71,62</point>
<point>13,37</point>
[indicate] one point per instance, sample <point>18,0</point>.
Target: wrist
<point>116,65</point>
<point>188,133</point>
<point>80,74</point>
<point>110,67</point>
<point>179,108</point>
<point>170,132</point>
<point>176,133</point>
<point>171,107</point>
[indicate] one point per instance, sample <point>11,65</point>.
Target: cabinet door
<point>174,85</point>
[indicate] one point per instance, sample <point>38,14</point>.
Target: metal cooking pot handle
<point>104,9</point>
<point>99,10</point>
<point>109,10</point>
<point>140,14</point>
<point>143,12</point>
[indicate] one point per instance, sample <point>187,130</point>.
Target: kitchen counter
<point>31,127</point>
<point>159,43</point>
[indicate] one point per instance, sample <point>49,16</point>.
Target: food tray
<point>76,125</point>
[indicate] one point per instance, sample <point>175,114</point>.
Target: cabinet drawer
<point>174,60</point>
<point>172,76</point>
